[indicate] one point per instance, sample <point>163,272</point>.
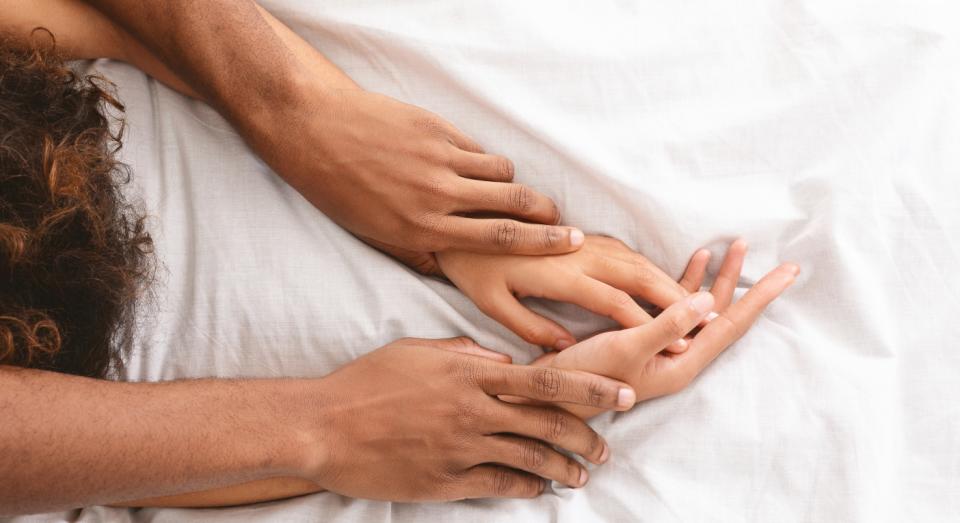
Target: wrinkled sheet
<point>824,132</point>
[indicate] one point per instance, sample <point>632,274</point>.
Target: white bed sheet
<point>824,132</point>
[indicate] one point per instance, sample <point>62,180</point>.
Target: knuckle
<point>532,487</point>
<point>467,413</point>
<point>503,481</point>
<point>548,237</point>
<point>595,445</point>
<point>533,455</point>
<point>596,393</point>
<point>731,329</point>
<point>534,334</point>
<point>505,234</point>
<point>553,426</point>
<point>521,198</point>
<point>620,300</point>
<point>674,327</point>
<point>463,342</point>
<point>430,124</point>
<point>468,371</point>
<point>546,382</point>
<point>643,275</point>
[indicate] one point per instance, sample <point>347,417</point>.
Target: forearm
<point>68,441</point>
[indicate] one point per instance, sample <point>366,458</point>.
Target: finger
<point>511,199</point>
<point>729,275</point>
<point>631,272</point>
<point>533,328</point>
<point>730,325</point>
<point>672,324</point>
<point>556,386</point>
<point>465,345</point>
<point>488,167</point>
<point>510,237</point>
<point>696,271</point>
<point>551,425</point>
<point>533,456</point>
<point>597,297</point>
<point>494,481</point>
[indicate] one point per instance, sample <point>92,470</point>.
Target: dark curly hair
<point>74,254</point>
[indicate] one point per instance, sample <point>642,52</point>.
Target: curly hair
<point>74,254</point>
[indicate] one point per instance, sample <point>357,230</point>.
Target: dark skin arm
<point>401,178</point>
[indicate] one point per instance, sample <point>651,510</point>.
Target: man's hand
<point>420,420</point>
<point>399,177</point>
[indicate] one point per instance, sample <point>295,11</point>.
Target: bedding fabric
<point>824,132</point>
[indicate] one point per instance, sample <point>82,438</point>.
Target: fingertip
<point>678,346</point>
<point>563,342</point>
<point>576,238</point>
<point>793,268</point>
<point>626,398</point>
<point>739,244</point>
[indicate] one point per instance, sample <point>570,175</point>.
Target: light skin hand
<point>636,355</point>
<point>602,277</point>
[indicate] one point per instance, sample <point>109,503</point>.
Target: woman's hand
<point>636,355</point>
<point>602,277</point>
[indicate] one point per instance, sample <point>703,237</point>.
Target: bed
<point>825,133</point>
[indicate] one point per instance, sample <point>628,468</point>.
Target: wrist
<point>303,415</point>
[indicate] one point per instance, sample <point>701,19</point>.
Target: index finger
<point>557,386</point>
<point>633,273</point>
<point>733,323</point>
<point>502,236</point>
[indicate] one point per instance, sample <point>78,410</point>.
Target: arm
<point>399,177</point>
<point>82,32</point>
<point>69,441</point>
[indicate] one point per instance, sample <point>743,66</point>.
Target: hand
<point>420,420</point>
<point>601,277</point>
<point>636,355</point>
<point>406,180</point>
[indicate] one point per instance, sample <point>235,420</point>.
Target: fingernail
<point>626,398</point>
<point>576,237</point>
<point>702,302</point>
<point>605,454</point>
<point>679,345</point>
<point>583,477</point>
<point>712,316</point>
<point>794,269</point>
<point>563,343</point>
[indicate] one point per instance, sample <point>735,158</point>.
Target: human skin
<point>638,356</point>
<point>83,32</point>
<point>416,420</point>
<point>81,40</point>
<point>394,174</point>
<point>604,276</point>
